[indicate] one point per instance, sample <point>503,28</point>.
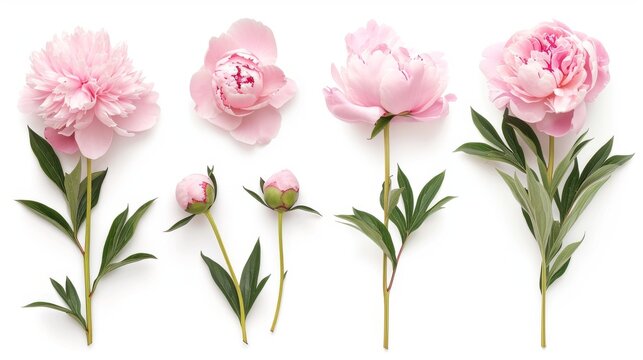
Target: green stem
<point>387,188</point>
<point>242,309</point>
<point>88,224</point>
<point>280,216</point>
<point>550,164</point>
<point>543,291</point>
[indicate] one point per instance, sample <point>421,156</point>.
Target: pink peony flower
<point>195,193</point>
<point>239,89</point>
<point>545,75</point>
<point>85,90</point>
<point>383,78</point>
<point>281,190</point>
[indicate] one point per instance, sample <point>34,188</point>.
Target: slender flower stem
<point>543,291</point>
<point>88,224</point>
<point>280,217</point>
<point>543,265</point>
<point>242,309</point>
<point>387,188</point>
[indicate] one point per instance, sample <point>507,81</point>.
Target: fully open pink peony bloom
<point>383,78</point>
<point>239,89</point>
<point>85,90</point>
<point>545,75</point>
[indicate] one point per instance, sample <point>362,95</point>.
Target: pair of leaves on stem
<point>71,299</point>
<point>262,202</point>
<point>249,283</point>
<point>416,212</point>
<point>538,197</point>
<point>71,186</point>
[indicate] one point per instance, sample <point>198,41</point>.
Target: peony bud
<point>281,190</point>
<point>195,194</point>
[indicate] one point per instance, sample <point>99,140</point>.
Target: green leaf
<point>256,197</point>
<point>603,172</point>
<point>527,134</point>
<point>397,218</point>
<point>50,215</point>
<point>181,223</point>
<point>72,183</point>
<point>380,124</point>
<point>393,199</point>
<point>618,160</point>
<point>584,198</point>
<point>44,304</point>
<point>557,274</point>
<point>249,277</point>
<point>435,208</point>
<point>528,221</point>
<point>305,208</point>
<point>512,140</point>
<point>563,258</point>
<point>569,190</point>
<point>565,163</point>
<point>428,193</point>
<point>517,190</point>
<point>224,283</point>
<point>487,130</point>
<point>113,266</point>
<point>72,296</point>
<point>541,211</point>
<point>374,229</point>
<point>488,152</point>
<point>47,158</point>
<point>597,160</point>
<point>215,187</point>
<point>262,182</point>
<point>97,183</point>
<point>407,195</point>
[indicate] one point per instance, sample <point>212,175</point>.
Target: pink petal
<point>94,140</point>
<point>401,91</point>
<point>144,116</point>
<point>438,110</point>
<point>225,121</point>
<point>562,123</point>
<point>492,57</point>
<point>217,49</point>
<point>527,112</point>
<point>343,109</point>
<point>284,94</point>
<point>259,127</point>
<point>64,144</point>
<point>255,37</point>
<point>203,94</point>
<point>273,79</point>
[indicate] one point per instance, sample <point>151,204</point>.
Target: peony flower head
<point>239,88</point>
<point>85,90</point>
<point>195,193</point>
<point>545,75</point>
<point>381,77</point>
<point>281,190</point>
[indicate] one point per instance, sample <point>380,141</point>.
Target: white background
<point>467,283</point>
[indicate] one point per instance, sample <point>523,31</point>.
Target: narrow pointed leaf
<point>377,225</point>
<point>582,201</point>
<point>262,182</point>
<point>215,186</point>
<point>380,124</point>
<point>250,276</point>
<point>257,291</point>
<point>487,130</point>
<point>72,297</point>
<point>305,208</point>
<point>565,163</point>
<point>50,215</point>
<point>597,160</point>
<point>48,305</point>
<point>435,208</point>
<point>97,183</point>
<point>373,232</point>
<point>181,223</point>
<point>224,282</point>
<point>557,274</point>
<point>527,134</point>
<point>428,193</point>
<point>541,214</point>
<point>48,160</point>
<point>490,153</point>
<point>564,256</point>
<point>512,140</point>
<point>111,243</point>
<point>113,266</point>
<point>407,195</point>
<point>256,197</point>
<point>618,159</point>
<point>72,183</point>
<point>569,190</point>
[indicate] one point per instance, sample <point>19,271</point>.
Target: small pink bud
<point>195,194</point>
<point>281,190</point>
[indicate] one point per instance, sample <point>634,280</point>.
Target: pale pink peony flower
<point>85,90</point>
<point>281,190</point>
<point>239,89</point>
<point>195,193</point>
<point>545,75</point>
<point>383,78</point>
